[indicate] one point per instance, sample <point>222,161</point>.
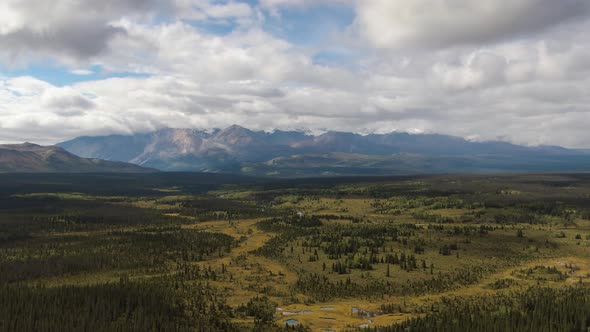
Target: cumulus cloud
<point>82,72</point>
<point>445,23</point>
<point>301,3</point>
<point>478,69</point>
<point>80,31</point>
<point>73,30</point>
<point>202,10</point>
<point>64,101</point>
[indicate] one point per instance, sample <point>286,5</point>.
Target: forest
<point>214,252</point>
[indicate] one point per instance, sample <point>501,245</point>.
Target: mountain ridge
<point>33,158</point>
<point>236,149</point>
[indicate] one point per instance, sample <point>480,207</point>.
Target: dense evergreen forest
<point>182,252</point>
<point>537,309</point>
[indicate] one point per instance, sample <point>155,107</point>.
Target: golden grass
<point>253,273</point>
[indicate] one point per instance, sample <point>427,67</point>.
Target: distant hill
<point>293,153</point>
<point>32,158</point>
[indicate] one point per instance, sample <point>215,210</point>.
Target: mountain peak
<point>238,149</point>
<point>238,136</point>
<point>29,144</point>
<point>237,127</point>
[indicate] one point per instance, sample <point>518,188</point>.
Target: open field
<point>214,253</point>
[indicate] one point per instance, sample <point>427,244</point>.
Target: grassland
<point>341,254</point>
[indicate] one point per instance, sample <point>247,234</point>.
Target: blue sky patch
<point>61,76</point>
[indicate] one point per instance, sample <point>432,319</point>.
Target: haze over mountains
<point>292,153</point>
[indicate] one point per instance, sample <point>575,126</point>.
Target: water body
<point>302,312</point>
<point>292,322</point>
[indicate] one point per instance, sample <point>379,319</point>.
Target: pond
<point>301,312</point>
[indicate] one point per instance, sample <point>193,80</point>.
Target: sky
<point>511,70</point>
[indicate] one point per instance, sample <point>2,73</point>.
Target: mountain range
<point>293,153</point>
<point>33,158</point>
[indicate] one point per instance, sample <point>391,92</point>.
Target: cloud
<point>478,70</point>
<point>64,101</point>
<point>522,79</point>
<point>301,3</point>
<point>82,72</point>
<point>74,30</point>
<point>81,31</point>
<point>445,23</point>
<point>202,10</point>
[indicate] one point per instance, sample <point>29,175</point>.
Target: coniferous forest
<point>187,252</point>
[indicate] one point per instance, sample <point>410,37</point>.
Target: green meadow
<point>194,252</point>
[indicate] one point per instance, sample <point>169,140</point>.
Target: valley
<point>196,252</point>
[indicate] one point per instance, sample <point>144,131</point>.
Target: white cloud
<point>525,82</point>
<point>79,32</point>
<point>444,23</point>
<point>206,9</point>
<point>82,72</point>
<point>275,4</point>
<point>64,101</point>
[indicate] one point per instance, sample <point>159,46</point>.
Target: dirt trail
<point>340,315</point>
<point>251,274</point>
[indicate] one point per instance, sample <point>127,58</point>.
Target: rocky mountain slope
<point>292,153</point>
